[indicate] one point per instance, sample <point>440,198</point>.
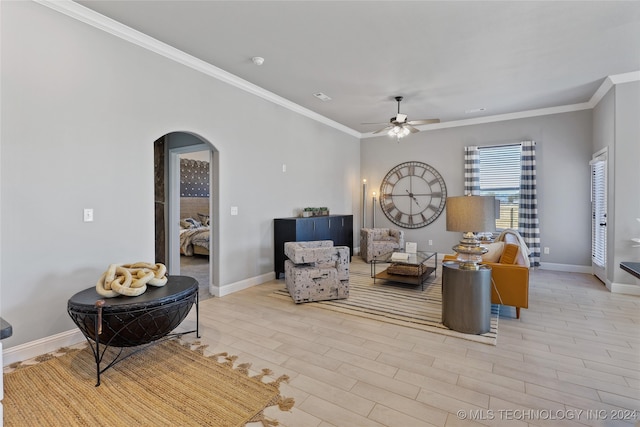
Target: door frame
<point>600,271</point>
<point>173,214</point>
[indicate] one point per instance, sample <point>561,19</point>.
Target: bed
<point>195,230</point>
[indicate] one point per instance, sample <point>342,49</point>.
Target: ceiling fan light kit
<point>399,127</point>
<point>398,132</point>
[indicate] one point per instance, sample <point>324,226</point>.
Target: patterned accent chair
<point>316,271</point>
<point>375,242</point>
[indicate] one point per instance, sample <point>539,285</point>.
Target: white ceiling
<point>445,58</point>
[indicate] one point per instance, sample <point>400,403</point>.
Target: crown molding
<point>97,20</point>
<point>108,25</point>
<point>498,118</point>
<point>607,84</point>
<point>611,81</point>
<point>632,76</point>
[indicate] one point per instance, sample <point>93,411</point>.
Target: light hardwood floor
<point>577,348</point>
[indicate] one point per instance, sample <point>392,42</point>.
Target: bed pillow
<point>190,223</point>
<point>204,219</point>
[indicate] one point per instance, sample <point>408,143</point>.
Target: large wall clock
<point>412,195</point>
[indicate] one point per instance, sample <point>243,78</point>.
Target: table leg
<point>99,348</point>
<point>198,315</point>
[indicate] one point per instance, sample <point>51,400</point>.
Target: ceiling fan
<point>399,127</point>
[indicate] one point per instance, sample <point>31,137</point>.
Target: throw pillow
<point>495,251</point>
<point>509,254</point>
<point>193,222</point>
<point>204,218</point>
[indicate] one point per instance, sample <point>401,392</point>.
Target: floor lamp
<point>364,203</point>
<point>373,216</point>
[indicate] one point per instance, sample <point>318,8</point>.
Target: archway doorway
<point>185,178</point>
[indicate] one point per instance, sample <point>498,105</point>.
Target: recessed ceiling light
<point>258,60</point>
<point>476,110</point>
<point>321,96</point>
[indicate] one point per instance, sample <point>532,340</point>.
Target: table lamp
<point>470,214</point>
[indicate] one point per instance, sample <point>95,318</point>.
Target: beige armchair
<point>316,271</point>
<point>375,242</point>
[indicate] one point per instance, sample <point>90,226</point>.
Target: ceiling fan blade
<point>378,123</point>
<point>423,122</point>
<point>411,128</point>
<point>385,129</point>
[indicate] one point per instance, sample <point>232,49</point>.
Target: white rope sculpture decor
<point>130,279</point>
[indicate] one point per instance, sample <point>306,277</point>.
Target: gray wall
<point>80,112</point>
<point>626,177</point>
<point>563,152</point>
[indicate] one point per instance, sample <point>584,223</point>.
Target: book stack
<point>399,256</point>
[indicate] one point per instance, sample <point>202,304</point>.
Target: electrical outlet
<point>430,242</point>
<point>234,210</point>
<point>546,250</point>
<point>88,215</point>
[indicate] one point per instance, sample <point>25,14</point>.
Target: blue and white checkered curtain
<point>528,226</point>
<point>471,171</point>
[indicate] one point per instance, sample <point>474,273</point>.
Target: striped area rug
<point>400,304</point>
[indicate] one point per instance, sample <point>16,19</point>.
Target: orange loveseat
<point>509,270</point>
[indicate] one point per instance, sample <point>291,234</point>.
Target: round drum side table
<point>133,321</point>
<point>466,298</point>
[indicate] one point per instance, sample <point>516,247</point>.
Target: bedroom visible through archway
<point>195,218</point>
<point>184,200</point>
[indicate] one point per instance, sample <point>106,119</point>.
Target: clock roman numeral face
<point>413,195</point>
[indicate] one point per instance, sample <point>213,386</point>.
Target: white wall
<point>80,112</point>
<point>563,152</point>
<point>627,179</point>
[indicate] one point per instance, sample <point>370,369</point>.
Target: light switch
<point>88,215</point>
<point>234,210</point>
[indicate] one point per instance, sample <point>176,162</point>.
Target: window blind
<point>500,171</point>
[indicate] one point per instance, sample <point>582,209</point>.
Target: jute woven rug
<point>400,304</point>
<point>164,385</point>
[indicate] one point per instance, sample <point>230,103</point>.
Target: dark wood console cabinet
<point>338,228</point>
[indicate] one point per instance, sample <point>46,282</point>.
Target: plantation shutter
<point>599,210</point>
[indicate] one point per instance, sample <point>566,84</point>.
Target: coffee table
<point>413,271</point>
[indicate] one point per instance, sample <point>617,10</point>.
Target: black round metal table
<point>133,321</point>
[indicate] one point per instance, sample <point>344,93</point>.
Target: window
<point>500,177</point>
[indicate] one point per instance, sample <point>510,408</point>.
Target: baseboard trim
<point>613,287</point>
<point>624,288</point>
<point>569,268</point>
<point>218,291</point>
<point>35,348</point>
